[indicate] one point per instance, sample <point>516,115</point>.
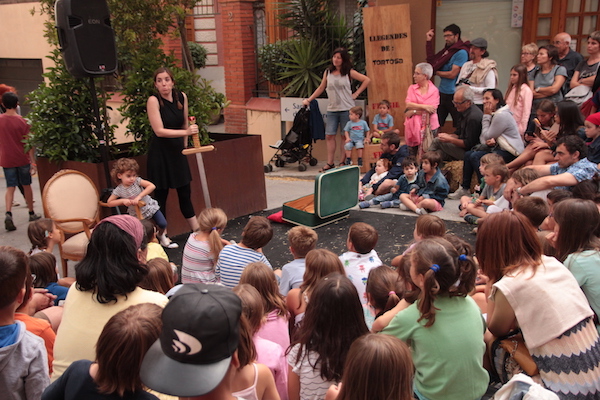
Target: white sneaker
<point>421,211</point>
<point>460,192</point>
<point>403,207</point>
<point>166,242</point>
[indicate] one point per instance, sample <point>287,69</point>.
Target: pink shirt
<point>276,329</point>
<point>522,109</point>
<point>273,356</point>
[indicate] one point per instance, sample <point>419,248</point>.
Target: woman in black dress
<point>167,167</point>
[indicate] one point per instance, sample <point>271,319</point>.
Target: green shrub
<point>199,54</point>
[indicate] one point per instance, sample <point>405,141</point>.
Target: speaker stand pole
<point>100,134</point>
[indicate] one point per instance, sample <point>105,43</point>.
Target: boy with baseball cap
<point>196,353</point>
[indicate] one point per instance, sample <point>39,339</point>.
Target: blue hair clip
<point>435,268</point>
<point>462,257</point>
<point>214,228</point>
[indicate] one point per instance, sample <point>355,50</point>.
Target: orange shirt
<point>42,329</point>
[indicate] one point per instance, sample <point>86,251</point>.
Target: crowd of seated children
<point>410,167</point>
<point>429,192</point>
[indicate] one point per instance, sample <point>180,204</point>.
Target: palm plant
<point>304,64</point>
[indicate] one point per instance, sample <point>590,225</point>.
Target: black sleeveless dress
<point>167,167</point>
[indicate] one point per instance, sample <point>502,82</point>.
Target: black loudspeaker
<point>86,37</point>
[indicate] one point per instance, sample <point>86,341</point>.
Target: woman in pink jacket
<point>422,100</point>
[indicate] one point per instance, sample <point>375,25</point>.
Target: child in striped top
<point>203,247</point>
<point>234,257</point>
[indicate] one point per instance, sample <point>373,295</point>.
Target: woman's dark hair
<point>570,117</point>
<point>587,189</point>
<point>346,61</point>
<point>122,345</point>
<point>455,274</point>
<point>177,96</point>
<point>43,266</point>
<point>577,220</point>
<point>334,318</point>
<point>521,70</point>
<point>110,266</point>
<point>497,95</point>
<point>552,53</point>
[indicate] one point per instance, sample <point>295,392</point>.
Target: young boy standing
<point>302,240</point>
<point>357,134</point>
<point>431,188</point>
<point>13,158</point>
<point>234,257</point>
<point>23,357</point>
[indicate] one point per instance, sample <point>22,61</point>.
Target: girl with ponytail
<point>202,248</point>
<point>444,326</point>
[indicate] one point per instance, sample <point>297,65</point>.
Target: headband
<point>130,225</point>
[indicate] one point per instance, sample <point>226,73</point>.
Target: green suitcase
<point>336,191</point>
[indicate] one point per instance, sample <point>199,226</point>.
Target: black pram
<point>296,146</point>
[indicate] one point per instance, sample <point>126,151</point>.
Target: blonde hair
<point>302,240</point>
<point>210,221</point>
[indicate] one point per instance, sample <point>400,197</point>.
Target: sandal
<point>327,167</point>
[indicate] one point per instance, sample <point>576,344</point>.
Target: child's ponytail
<point>38,232</point>
<point>431,287</point>
<point>445,273</point>
<point>213,221</point>
<point>385,288</point>
<point>465,264</point>
<point>468,274</point>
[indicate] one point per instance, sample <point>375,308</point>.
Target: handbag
<point>510,356</point>
<point>426,137</point>
<point>579,94</point>
<point>504,145</point>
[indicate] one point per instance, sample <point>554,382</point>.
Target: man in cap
<point>196,353</point>
<point>479,72</point>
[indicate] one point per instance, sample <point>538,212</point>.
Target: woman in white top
<point>337,79</point>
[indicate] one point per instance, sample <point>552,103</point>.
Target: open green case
<point>336,191</point>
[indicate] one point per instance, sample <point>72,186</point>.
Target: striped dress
<point>232,261</point>
<point>556,321</point>
<point>197,264</point>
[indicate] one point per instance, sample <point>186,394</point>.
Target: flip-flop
<point>327,167</point>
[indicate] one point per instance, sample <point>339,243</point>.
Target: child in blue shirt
<point>383,122</point>
<point>431,188</point>
<point>410,168</point>
<point>357,134</point>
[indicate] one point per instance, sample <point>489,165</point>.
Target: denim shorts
<point>16,176</point>
<point>335,119</point>
<point>359,144</point>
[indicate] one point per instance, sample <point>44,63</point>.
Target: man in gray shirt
<point>566,57</point>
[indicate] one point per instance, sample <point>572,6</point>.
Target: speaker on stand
<point>89,50</point>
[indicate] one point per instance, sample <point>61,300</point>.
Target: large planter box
<point>234,172</point>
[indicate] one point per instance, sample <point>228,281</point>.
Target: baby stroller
<point>297,145</point>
